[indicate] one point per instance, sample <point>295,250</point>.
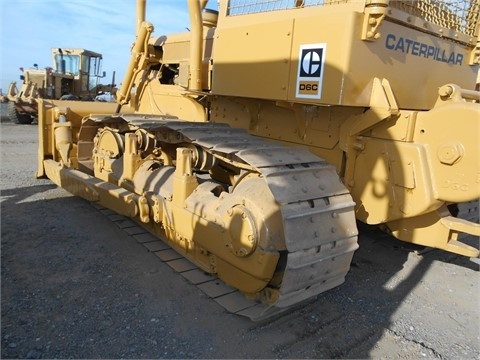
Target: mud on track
<point>74,284</point>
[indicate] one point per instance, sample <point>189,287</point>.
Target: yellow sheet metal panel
<point>401,54</point>
<point>320,55</point>
<point>411,61</point>
<point>253,60</point>
<point>176,47</point>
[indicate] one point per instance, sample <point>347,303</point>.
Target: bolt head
<point>450,153</point>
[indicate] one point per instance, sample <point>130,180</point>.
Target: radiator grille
<point>461,16</point>
<point>458,15</point>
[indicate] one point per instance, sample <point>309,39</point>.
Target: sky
<point>31,28</point>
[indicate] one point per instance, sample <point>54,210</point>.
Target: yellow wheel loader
<point>253,142</point>
<point>74,76</point>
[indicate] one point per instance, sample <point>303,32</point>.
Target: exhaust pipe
<point>196,41</point>
<point>141,10</point>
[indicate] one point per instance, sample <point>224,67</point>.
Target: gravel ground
<point>75,285</point>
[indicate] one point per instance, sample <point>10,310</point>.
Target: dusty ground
<point>75,285</point>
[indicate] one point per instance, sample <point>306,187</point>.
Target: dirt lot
<point>76,285</point>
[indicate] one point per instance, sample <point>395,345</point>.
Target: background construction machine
<point>253,142</point>
<point>74,76</point>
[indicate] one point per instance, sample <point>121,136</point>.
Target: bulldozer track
<point>317,211</point>
<point>229,298</point>
<point>232,300</point>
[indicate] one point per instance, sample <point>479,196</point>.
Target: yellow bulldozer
<point>74,76</point>
<point>253,142</point>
